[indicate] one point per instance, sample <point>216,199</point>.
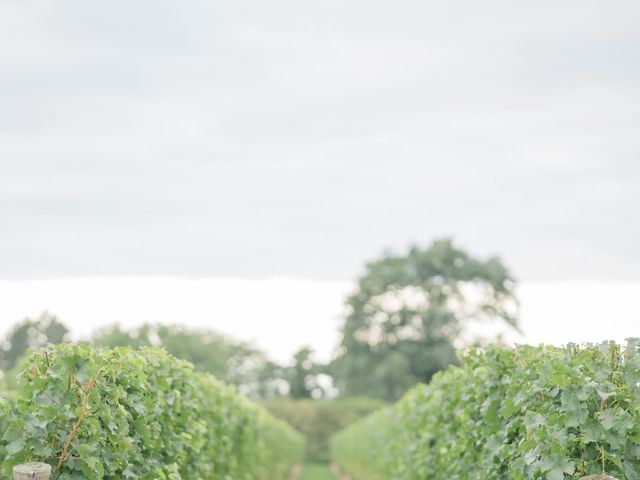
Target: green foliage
<point>123,414</point>
<point>528,413</point>
<point>5,409</point>
<point>301,374</point>
<point>364,449</point>
<point>409,310</point>
<point>316,471</point>
<point>9,382</point>
<point>232,361</point>
<point>319,419</point>
<point>29,334</point>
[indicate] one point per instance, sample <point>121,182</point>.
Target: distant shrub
<point>319,419</point>
<point>124,414</point>
<point>525,413</point>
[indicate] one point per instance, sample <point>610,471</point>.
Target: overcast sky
<point>281,314</point>
<point>254,139</point>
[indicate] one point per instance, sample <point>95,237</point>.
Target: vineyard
<point>544,413</point>
<point>124,414</point>
<point>525,413</point>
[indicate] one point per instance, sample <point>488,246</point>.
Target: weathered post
<point>32,471</point>
<point>598,477</point>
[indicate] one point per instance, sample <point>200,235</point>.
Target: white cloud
<point>282,314</point>
<point>580,311</point>
<point>278,314</point>
<point>234,139</point>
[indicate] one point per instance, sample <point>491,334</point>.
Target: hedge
<point>319,419</point>
<point>525,413</point>
<point>124,414</point>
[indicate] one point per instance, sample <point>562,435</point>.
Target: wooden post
<point>598,477</point>
<point>32,471</point>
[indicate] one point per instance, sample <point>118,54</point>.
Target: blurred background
<point>318,200</point>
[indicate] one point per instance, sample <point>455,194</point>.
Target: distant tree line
<point>404,322</point>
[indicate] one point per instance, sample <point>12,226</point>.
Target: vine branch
<point>86,391</point>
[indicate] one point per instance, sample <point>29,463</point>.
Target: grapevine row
<point>524,413</point>
<point>122,414</point>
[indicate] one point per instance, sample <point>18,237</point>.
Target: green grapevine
<point>525,413</point>
<point>124,414</point>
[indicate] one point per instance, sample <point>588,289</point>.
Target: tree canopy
<point>410,312</point>
<point>233,361</point>
<point>30,333</point>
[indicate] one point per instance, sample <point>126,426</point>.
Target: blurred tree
<point>410,312</point>
<point>31,333</point>
<point>301,374</point>
<point>231,361</point>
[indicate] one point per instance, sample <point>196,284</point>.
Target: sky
<point>279,315</point>
<point>204,142</point>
